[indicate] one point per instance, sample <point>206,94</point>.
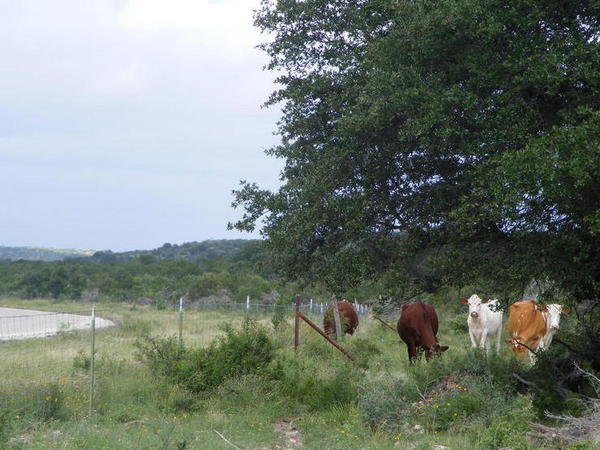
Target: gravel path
<point>27,323</point>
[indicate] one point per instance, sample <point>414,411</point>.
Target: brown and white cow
<point>348,319</point>
<point>418,327</point>
<point>526,328</point>
<point>532,325</point>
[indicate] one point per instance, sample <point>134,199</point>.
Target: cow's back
<point>417,320</point>
<point>520,315</point>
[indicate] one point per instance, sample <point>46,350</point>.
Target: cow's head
<point>519,350</point>
<point>474,303</point>
<point>435,350</point>
<point>552,314</point>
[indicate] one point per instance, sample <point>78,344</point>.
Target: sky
<point>125,124</point>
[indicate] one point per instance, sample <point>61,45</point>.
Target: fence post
<point>336,318</point>
<point>92,360</point>
<point>181,321</point>
<point>247,302</point>
<point>297,324</point>
<point>311,305</point>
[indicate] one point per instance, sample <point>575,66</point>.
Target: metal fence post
<point>297,323</point>
<point>92,360</point>
<point>181,321</point>
<point>247,302</point>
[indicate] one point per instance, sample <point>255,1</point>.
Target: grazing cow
<point>526,328</point>
<point>533,325</point>
<point>348,319</point>
<point>484,320</point>
<point>417,327</point>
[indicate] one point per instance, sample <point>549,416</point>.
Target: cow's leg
<point>472,336</point>
<point>498,339</point>
<point>484,342</point>
<point>412,351</point>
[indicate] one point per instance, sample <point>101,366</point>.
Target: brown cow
<point>526,328</point>
<point>348,319</point>
<point>417,327</point>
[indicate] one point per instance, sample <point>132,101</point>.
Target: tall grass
<point>461,400</point>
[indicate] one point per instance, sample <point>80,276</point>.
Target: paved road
<point>27,323</point>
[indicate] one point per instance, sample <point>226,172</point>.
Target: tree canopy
<point>434,142</point>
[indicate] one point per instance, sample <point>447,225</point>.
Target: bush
<point>552,365</point>
<point>319,386</point>
<point>507,429</point>
<point>82,361</point>
<point>457,323</point>
<point>454,407</point>
<point>386,404</point>
<point>240,351</point>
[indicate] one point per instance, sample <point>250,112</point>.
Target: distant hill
<point>41,254</point>
<point>189,251</point>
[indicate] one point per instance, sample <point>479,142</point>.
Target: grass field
<point>320,399</point>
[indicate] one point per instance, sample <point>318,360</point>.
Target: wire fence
<point>83,349</point>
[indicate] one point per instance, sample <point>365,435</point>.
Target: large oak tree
<point>436,142</point>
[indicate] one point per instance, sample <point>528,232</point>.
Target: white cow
<point>551,315</point>
<point>484,320</point>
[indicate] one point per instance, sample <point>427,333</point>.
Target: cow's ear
<point>485,300</point>
<point>464,300</point>
<point>443,348</point>
<point>541,307</point>
<point>565,310</point>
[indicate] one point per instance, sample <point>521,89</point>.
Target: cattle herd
<point>531,326</point>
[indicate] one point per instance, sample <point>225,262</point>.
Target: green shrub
<point>385,404</point>
<point>279,315</point>
<point>507,429</point>
<point>457,323</point>
<point>41,402</point>
<point>240,351</point>
<point>81,361</point>
<point>452,408</point>
<point>554,364</point>
<point>319,386</point>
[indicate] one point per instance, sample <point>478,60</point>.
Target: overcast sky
<point>125,124</point>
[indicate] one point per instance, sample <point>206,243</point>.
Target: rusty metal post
<point>297,324</point>
<point>331,341</point>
